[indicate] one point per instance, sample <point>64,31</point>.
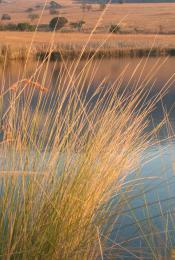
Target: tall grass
<point>65,153</point>
<point>71,51</point>
<point>69,46</point>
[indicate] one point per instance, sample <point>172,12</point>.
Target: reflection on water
<point>154,195</point>
<point>150,211</point>
<point>127,73</point>
<point>155,73</point>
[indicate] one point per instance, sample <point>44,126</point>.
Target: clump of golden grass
<point>65,153</point>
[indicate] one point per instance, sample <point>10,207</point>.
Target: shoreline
<point>119,53</point>
<point>21,53</point>
<point>15,46</point>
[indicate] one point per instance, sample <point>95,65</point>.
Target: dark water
<point>153,74</point>
<point>150,210</point>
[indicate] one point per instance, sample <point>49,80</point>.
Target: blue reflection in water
<point>141,230</point>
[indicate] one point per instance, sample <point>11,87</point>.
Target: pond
<point>150,209</point>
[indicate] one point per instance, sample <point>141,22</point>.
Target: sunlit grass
<point>65,152</point>
<point>68,156</point>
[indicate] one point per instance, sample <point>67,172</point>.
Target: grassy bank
<point>15,45</point>
<point>61,53</point>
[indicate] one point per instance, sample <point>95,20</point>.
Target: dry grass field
<point>139,23</point>
<point>148,18</point>
<point>16,44</point>
<point>79,39</point>
<point>84,162</point>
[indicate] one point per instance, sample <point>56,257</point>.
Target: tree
<point>57,23</point>
<point>55,5</point>
<point>38,6</point>
<point>33,17</point>
<point>77,25</point>
<point>6,17</point>
<point>29,10</point>
<point>10,27</point>
<point>102,6</point>
<point>25,27</point>
<point>114,28</point>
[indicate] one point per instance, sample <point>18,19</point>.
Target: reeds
<point>65,49</point>
<point>65,152</point>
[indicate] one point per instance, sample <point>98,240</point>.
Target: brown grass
<point>76,161</point>
<point>69,45</point>
<point>24,38</point>
<point>139,23</point>
<point>140,17</point>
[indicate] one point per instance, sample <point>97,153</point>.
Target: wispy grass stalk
<point>65,153</point>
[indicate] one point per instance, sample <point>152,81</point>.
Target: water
<point>127,72</point>
<point>150,212</point>
<point>153,198</point>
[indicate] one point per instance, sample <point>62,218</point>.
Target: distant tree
<point>25,27</point>
<point>6,17</point>
<point>8,27</point>
<point>55,5</point>
<point>11,27</point>
<point>53,11</point>
<point>29,10</point>
<point>121,1</point>
<point>33,17</point>
<point>102,6</point>
<point>38,6</point>
<point>22,26</point>
<point>57,23</point>
<point>114,28</point>
<point>77,25</point>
